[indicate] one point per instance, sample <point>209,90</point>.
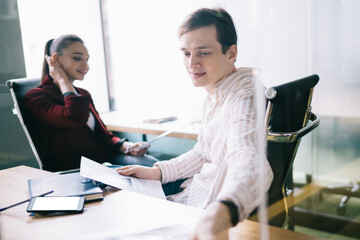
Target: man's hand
<point>150,173</point>
<point>214,224</point>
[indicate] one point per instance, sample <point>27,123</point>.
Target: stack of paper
<point>98,172</point>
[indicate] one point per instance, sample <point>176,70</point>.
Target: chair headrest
<point>299,85</point>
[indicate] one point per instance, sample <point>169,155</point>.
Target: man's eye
<point>187,54</point>
<point>77,58</point>
<point>203,53</point>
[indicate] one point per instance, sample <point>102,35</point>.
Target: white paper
<point>168,232</point>
<point>98,172</point>
<point>172,232</point>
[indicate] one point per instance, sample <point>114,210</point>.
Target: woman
<point>68,124</point>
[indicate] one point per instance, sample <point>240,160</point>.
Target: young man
<point>221,172</point>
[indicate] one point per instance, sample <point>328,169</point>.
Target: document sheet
<point>98,172</point>
<point>169,232</point>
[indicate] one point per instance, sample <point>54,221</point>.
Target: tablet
<point>56,204</point>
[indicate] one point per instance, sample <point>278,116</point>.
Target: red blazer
<point>62,133</point>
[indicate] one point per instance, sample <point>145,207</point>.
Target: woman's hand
<point>126,146</point>
<point>150,173</point>
<point>59,76</point>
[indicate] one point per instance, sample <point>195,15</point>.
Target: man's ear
<point>232,53</point>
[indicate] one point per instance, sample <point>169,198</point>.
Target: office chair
<point>349,190</point>
<point>18,88</point>
<point>288,118</point>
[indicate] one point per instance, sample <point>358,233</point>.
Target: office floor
<point>322,234</point>
<point>318,215</point>
<point>331,157</point>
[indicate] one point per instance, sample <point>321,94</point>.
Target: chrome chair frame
<point>310,122</point>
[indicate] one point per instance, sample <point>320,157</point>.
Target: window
<point>42,20</point>
<point>146,63</point>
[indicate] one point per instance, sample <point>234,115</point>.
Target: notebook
<point>71,184</point>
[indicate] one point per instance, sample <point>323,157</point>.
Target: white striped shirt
<point>224,163</point>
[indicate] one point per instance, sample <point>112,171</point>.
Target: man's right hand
<point>214,224</point>
<point>150,173</point>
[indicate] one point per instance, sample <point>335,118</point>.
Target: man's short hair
<point>220,18</point>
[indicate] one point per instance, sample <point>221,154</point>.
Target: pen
<point>160,120</point>
<point>27,200</point>
<point>150,142</point>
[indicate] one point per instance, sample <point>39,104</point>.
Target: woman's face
<point>74,61</point>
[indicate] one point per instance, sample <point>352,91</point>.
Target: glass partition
<point>285,40</point>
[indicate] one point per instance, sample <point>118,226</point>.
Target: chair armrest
<point>294,136</point>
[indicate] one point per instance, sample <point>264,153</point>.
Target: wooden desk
<point>119,210</point>
<point>132,121</point>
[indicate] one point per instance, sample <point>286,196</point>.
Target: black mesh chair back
<point>288,118</point>
<point>18,89</point>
